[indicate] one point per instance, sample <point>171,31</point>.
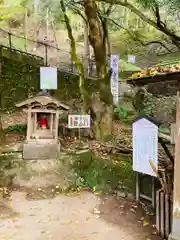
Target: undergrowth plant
<point>16,128</point>
<point>8,172</point>
<point>123,114</point>
<point>107,175</point>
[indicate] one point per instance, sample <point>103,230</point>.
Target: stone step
<point>34,151</point>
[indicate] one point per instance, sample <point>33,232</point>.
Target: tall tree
<point>103,114</point>
<point>99,105</point>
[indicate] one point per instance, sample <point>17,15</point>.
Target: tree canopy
<point>156,13</point>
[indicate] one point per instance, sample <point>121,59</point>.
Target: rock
<point>32,214</point>
<point>130,196</point>
<point>18,147</point>
<point>83,151</point>
<point>10,156</point>
<point>120,194</point>
<point>132,210</point>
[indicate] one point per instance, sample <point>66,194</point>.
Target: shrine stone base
<point>171,237</point>
<point>40,151</point>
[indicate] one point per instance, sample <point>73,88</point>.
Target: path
<point>76,217</point>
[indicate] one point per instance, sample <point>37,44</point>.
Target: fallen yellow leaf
<point>145,223</point>
<point>68,221</point>
<point>4,236</point>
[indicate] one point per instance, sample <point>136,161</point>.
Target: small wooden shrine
<point>43,113</point>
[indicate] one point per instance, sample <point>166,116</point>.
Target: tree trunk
<point>102,104</point>
<point>98,105</point>
<point>86,49</point>
<point>83,85</point>
<point>25,29</point>
<point>2,133</point>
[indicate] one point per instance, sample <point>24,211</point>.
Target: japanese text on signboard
<point>114,77</point>
<point>145,147</point>
<point>79,121</point>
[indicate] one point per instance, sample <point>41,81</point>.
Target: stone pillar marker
<point>175,235</point>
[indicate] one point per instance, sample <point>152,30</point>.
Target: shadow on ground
<point>6,211</point>
<point>129,216</point>
<point>35,193</point>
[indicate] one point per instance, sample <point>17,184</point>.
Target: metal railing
<point>52,55</point>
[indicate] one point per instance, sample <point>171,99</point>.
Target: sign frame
<point>139,195</point>
<point>79,118</point>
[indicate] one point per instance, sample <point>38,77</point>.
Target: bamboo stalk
<point>157,174</point>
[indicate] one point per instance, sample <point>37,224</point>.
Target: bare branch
<point>157,42</point>
<point>162,27</point>
<point>77,11</point>
<point>131,34</point>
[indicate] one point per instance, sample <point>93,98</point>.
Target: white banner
<point>116,99</point>
<point>79,121</point>
<point>114,77</point>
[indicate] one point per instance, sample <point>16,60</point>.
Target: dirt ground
<point>83,216</point>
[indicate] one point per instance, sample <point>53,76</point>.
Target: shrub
<point>16,128</point>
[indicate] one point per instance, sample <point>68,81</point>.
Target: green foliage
<point>128,67</point>
<point>123,113</point>
<point>7,173</point>
<point>54,11</point>
<point>16,128</point>
<point>10,9</point>
<point>103,175</point>
<point>147,4</point>
<point>164,130</point>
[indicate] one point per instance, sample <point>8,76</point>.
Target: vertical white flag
<point>114,77</point>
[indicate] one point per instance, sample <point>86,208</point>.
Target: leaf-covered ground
<point>77,216</point>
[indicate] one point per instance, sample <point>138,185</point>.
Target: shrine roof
<point>159,77</point>
<point>43,101</point>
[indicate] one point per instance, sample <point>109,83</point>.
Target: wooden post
<point>173,133</point>
<point>137,187</point>
<point>51,122</point>
<point>29,124</point>
<point>56,125</point>
<point>35,121</point>
<point>153,194</point>
<point>158,211</point>
<point>167,215</point>
<point>162,220</point>
<point>176,191</point>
